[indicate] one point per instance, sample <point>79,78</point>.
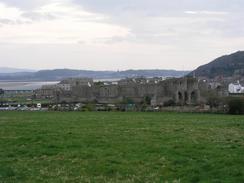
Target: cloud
<point>119,34</point>
<point>7,12</point>
<point>35,16</point>
<point>51,23</point>
<point>207,12</point>
<point>6,21</point>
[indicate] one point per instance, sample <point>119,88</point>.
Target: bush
<point>169,103</point>
<point>1,91</point>
<point>215,101</point>
<point>236,105</point>
<point>90,107</point>
<point>127,101</point>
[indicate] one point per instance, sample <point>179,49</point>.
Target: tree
<point>147,100</point>
<point>236,105</point>
<point>213,99</point>
<point>1,91</point>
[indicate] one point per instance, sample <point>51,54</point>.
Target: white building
<point>236,88</point>
<point>65,87</point>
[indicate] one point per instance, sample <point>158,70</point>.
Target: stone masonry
<point>181,91</point>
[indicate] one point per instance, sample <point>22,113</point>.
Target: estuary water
<point>33,85</point>
<point>28,85</point>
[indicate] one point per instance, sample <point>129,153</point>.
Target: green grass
<point>121,147</point>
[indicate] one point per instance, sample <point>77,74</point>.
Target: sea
<point>28,85</point>
<point>33,85</point>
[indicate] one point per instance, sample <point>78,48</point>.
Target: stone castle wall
<point>179,90</point>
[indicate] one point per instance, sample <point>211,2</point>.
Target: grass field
<point>121,147</point>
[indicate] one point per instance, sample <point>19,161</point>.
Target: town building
<point>236,88</point>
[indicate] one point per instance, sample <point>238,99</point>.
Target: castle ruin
<point>181,91</point>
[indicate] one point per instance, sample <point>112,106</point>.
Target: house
<point>235,88</point>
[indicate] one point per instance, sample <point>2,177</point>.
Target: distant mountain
<point>59,74</point>
<point>226,66</point>
<point>5,70</point>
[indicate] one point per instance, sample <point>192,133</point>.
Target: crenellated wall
<point>181,91</point>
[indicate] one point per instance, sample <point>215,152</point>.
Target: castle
<point>181,91</point>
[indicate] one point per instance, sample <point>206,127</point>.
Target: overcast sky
<point>118,34</point>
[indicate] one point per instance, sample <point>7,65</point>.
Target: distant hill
<point>226,66</point>
<point>5,70</point>
<point>59,74</point>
